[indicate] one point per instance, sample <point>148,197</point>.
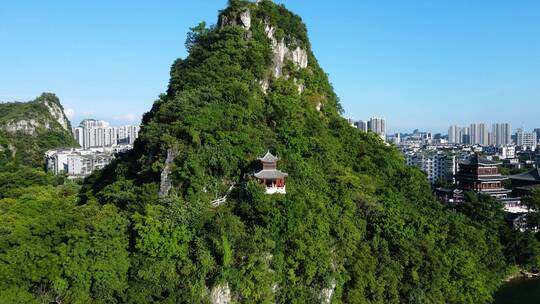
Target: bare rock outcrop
<point>165,185</point>
<point>25,126</point>
<point>327,293</point>
<point>243,19</point>
<point>282,52</point>
<point>57,113</point>
<point>220,294</point>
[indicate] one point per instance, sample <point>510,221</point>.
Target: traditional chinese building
<point>270,176</point>
<point>481,176</point>
<point>524,183</point>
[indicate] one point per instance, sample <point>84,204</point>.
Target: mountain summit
<point>355,225</point>
<point>27,129</point>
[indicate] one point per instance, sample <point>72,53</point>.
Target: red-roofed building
<point>270,176</point>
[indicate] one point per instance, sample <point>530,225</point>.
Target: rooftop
<point>270,174</point>
<point>532,176</point>
<point>480,161</point>
<point>268,158</point>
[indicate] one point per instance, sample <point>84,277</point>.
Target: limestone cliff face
<point>57,112</point>
<point>28,129</point>
<point>166,183</point>
<point>25,126</point>
<point>281,50</point>
<point>44,113</point>
<point>243,19</point>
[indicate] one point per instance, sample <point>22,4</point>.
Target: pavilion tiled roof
<point>477,160</point>
<point>271,174</point>
<point>269,158</point>
<point>532,176</point>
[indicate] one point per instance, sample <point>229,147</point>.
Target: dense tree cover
<point>355,221</point>
<point>53,250</point>
<point>355,217</point>
<point>21,148</point>
<point>22,154</point>
<point>511,171</point>
<point>520,248</point>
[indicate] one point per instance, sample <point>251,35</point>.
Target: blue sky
<point>419,64</point>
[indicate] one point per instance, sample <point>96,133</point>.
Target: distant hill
<point>27,129</point>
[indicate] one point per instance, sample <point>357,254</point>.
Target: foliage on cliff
<point>356,224</point>
<point>28,129</point>
<point>354,217</point>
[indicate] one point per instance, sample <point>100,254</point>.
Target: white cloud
<point>69,113</point>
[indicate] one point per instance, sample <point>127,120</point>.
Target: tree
<point>532,201</point>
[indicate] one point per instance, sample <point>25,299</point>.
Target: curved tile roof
<point>268,158</point>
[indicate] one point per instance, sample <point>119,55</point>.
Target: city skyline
<point>99,133</point>
<point>404,63</point>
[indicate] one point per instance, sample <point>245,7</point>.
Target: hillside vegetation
<point>28,129</point>
<point>356,224</point>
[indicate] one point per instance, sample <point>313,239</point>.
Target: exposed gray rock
<point>165,185</point>
<point>29,126</point>
<point>58,114</point>
<point>245,19</point>
<point>300,57</point>
<point>265,85</point>
<point>327,293</point>
<point>300,86</point>
<point>221,294</point>
<point>282,53</point>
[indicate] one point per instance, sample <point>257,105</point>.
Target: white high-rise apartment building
<point>454,135</point>
<point>479,134</point>
<point>128,134</point>
<point>377,125</point>
<point>437,166</point>
<point>465,135</point>
<point>526,140</point>
<point>92,123</point>
<point>362,125</point>
<point>93,133</point>
<point>501,134</point>
<point>78,134</point>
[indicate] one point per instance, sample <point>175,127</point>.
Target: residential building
<point>537,131</point>
<point>454,135</point>
<point>377,125</point>
<point>479,134</point>
<point>397,139</point>
<point>437,166</point>
<point>526,140</point>
<point>507,152</point>
<point>78,134</point>
<point>501,134</point>
<point>362,125</point>
<point>78,162</point>
<point>93,133</point>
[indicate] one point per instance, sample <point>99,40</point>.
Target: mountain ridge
<point>356,224</point>
<point>27,129</point>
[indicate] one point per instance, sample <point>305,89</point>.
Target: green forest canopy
<point>355,220</point>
